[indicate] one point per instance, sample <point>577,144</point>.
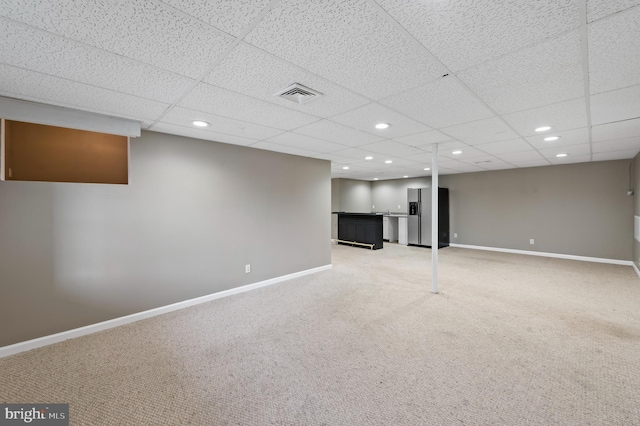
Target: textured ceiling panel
<point>334,132</point>
<point>359,154</point>
<point>140,29</point>
<point>531,163</point>
<point>365,118</point>
<point>614,46</point>
<point>212,99</point>
<point>47,53</point>
<point>346,42</point>
<point>229,16</point>
<point>619,130</point>
<point>597,9</point>
<point>503,147</point>
<point>561,116</point>
<point>617,145</point>
<point>572,150</point>
<point>305,142</point>
<point>390,147</point>
<point>184,117</point>
<point>28,85</point>
<point>571,159</point>
<point>521,156</point>
<point>618,105</point>
<point>205,134</point>
<point>467,152</point>
<point>255,73</point>
<point>269,146</point>
<point>482,131</point>
<point>441,103</point>
<point>545,74</point>
<point>426,138</point>
<point>462,33</point>
<point>615,155</point>
<point>567,137</point>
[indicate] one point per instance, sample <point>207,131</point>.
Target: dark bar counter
<point>360,229</point>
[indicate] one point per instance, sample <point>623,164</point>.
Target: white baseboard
<point>116,322</point>
<point>543,254</point>
<point>635,268</point>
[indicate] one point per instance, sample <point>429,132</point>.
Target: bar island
<point>360,229</point>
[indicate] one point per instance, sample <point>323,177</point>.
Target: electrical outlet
<point>455,235</point>
<point>399,206</point>
<point>531,241</point>
<point>373,206</point>
<point>247,269</point>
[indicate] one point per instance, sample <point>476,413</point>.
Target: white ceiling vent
<point>298,93</point>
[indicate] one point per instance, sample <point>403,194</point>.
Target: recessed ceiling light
<point>345,168</point>
<point>199,123</point>
<point>543,128</point>
<point>405,177</point>
<point>427,168</point>
<point>375,178</point>
<point>389,161</point>
<point>457,152</point>
<point>561,155</point>
<point>381,126</point>
<point>552,138</point>
<point>368,158</point>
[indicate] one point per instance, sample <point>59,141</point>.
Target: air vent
<point>298,93</point>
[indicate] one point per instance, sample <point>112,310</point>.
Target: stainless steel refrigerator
<point>419,217</point>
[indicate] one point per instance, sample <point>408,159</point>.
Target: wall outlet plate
<point>455,235</point>
<point>531,241</point>
<point>247,269</point>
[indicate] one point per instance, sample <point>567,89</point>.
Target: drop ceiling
<point>473,76</point>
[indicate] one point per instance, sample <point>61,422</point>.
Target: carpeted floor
<point>510,340</point>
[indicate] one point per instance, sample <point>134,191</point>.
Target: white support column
<point>434,219</point>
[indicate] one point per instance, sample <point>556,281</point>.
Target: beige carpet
<point>510,340</point>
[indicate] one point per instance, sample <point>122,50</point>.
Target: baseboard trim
<point>116,322</point>
<point>635,268</point>
<point>543,254</point>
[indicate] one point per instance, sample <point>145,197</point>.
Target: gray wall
<point>577,209</point>
<point>348,195</point>
<point>389,194</point>
<point>194,214</point>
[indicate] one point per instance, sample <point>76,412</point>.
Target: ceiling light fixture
<point>368,158</point>
<point>389,161</point>
<point>375,178</point>
<point>199,123</point>
<point>427,168</point>
<point>405,177</point>
<point>561,155</point>
<point>552,138</point>
<point>345,168</point>
<point>543,128</point>
<point>457,152</point>
<point>381,126</point>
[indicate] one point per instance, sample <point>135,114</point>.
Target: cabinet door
<point>385,228</point>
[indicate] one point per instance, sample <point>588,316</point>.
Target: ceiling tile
<point>47,53</point>
<point>335,159</point>
<point>442,103</point>
<point>347,42</point>
<point>515,157</point>
<point>219,124</point>
<point>205,134</point>
<point>335,132</point>
<point>572,150</point>
<point>467,152</point>
<point>548,73</point>
<point>390,147</point>
<point>426,138</point>
<point>462,33</point>
<point>597,9</point>
<point>214,100</point>
<point>482,131</point>
<point>229,16</point>
<point>147,31</point>
<point>618,105</point>
<point>561,116</point>
<point>618,130</point>
<point>358,153</point>
<point>32,86</point>
<point>531,163</point>
<point>617,145</point>
<point>613,52</point>
<point>615,155</point>
<point>505,147</point>
<point>571,159</point>
<point>256,73</point>
<point>567,138</point>
<point>365,118</point>
<point>285,149</point>
<point>305,142</point>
